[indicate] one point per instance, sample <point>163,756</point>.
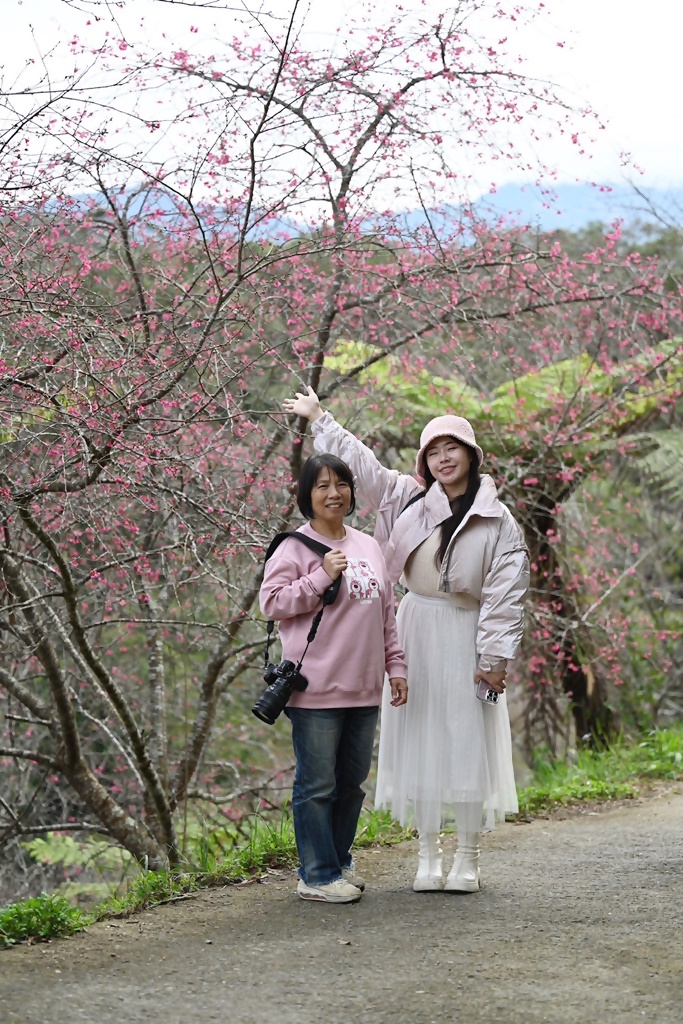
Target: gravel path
<point>580,920</point>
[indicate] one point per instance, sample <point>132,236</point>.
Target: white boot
<point>464,875</point>
<point>429,877</point>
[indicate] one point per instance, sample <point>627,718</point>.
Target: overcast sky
<point>621,56</point>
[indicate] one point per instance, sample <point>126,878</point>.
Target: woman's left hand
<point>399,692</point>
<point>496,680</point>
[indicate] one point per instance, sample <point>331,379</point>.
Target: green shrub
<point>379,828</point>
<point>43,917</point>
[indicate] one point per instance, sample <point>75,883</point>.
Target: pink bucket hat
<point>446,426</point>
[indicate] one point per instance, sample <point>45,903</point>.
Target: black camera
<point>283,680</point>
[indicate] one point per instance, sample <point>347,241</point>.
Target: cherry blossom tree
<point>186,237</point>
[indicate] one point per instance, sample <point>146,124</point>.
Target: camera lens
<point>272,701</point>
<point>263,713</point>
<point>282,680</point>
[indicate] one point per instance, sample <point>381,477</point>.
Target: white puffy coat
<point>486,559</point>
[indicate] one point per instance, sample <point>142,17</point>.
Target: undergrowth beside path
<point>621,771</point>
<point>617,772</point>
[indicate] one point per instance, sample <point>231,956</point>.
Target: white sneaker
<point>339,891</point>
<point>428,883</point>
<point>349,875</point>
<point>464,876</point>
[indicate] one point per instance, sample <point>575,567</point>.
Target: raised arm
<point>380,488</point>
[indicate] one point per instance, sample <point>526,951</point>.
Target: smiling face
<point>449,464</point>
<point>330,498</point>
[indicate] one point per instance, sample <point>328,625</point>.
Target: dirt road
<point>580,919</point>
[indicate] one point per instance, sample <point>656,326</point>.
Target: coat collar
<point>416,524</point>
<point>486,505</point>
<point>436,506</point>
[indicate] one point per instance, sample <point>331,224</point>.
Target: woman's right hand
<point>307,406</point>
<point>334,563</point>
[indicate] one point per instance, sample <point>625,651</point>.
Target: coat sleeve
<point>501,618</point>
<point>286,591</point>
<point>377,486</point>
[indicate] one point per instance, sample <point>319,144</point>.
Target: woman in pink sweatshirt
<point>334,718</point>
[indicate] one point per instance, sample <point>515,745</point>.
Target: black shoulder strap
<point>314,545</point>
<point>415,497</point>
<point>329,595</point>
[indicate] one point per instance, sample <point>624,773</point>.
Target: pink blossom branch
<point>21,693</point>
<point>220,799</point>
<point>255,137</point>
<point>66,826</point>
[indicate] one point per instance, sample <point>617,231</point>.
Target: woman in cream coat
<point>464,562</point>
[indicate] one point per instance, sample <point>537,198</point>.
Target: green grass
<point>149,889</point>
<point>378,828</point>
<point>618,772</point>
<point>269,844</point>
<point>41,918</point>
<point>615,773</point>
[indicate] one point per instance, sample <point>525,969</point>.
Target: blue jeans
<point>333,750</point>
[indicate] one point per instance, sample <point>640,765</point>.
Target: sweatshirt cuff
<point>490,663</point>
<point>397,670</point>
<point>320,580</point>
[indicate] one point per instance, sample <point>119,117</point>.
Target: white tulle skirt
<point>444,755</point>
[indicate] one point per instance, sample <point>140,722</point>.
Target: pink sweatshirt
<point>356,642</point>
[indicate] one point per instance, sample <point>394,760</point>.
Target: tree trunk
<point>594,720</point>
<point>120,825</point>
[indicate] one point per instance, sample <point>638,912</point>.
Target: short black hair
<point>310,471</point>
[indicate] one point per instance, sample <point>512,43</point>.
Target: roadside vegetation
<point>621,771</point>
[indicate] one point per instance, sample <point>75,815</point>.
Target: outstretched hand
<point>307,406</point>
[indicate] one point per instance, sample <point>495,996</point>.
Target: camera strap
<point>329,595</point>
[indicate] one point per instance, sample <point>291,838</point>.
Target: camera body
<point>282,680</point>
<point>486,693</point>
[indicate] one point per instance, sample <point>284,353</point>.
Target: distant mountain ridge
<point>573,207</point>
<point>564,207</point>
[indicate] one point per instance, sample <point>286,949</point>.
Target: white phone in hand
<point>486,693</point>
